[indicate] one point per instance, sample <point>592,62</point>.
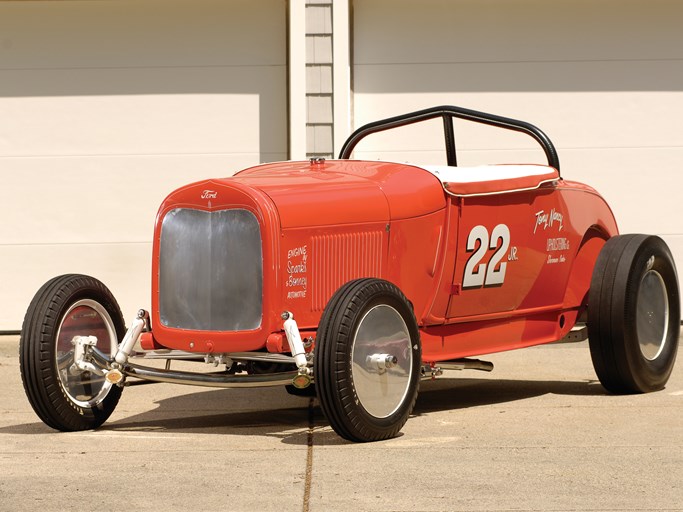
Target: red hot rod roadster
<point>353,280</point>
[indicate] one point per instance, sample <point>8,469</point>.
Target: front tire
<point>367,360</point>
<point>64,397</point>
<point>634,314</point>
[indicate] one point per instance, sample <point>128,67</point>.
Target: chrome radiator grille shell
<point>210,270</point>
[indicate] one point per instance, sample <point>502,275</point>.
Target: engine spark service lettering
<point>297,266</point>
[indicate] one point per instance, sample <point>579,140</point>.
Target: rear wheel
<point>634,314</point>
<point>367,360</point>
<point>63,396</point>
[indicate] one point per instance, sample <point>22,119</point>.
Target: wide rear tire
<point>367,360</point>
<point>634,314</point>
<point>64,397</point>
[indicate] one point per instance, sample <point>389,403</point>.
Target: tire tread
<point>36,345</point>
<point>612,334</point>
<point>333,385</point>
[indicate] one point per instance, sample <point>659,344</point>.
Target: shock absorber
<point>296,346</point>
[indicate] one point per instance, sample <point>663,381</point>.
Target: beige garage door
<point>107,106</point>
<point>603,78</point>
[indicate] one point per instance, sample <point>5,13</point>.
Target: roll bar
<point>447,113</point>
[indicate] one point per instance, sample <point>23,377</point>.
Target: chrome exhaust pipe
<point>429,372</point>
<point>466,364</point>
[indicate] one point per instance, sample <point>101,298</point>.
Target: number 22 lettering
<point>479,274</point>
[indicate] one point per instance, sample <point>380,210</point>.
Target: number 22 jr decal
<point>482,274</point>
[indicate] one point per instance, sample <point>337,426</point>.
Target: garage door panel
<point>106,107</point>
<point>447,31</point>
<point>141,33</point>
<point>572,118</point>
<point>89,112</point>
<point>548,76</point>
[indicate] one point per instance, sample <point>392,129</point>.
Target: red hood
<point>344,191</point>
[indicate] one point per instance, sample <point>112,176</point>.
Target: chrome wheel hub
<point>382,361</point>
<point>652,315</point>
<point>84,318</point>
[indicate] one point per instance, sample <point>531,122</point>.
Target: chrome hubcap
<point>84,318</point>
<point>382,361</point>
<point>652,315</point>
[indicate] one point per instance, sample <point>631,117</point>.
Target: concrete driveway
<point>538,433</point>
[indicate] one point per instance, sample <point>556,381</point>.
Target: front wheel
<point>634,314</point>
<point>63,396</point>
<point>367,360</point>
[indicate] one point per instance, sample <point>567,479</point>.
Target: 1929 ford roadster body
<point>352,280</point>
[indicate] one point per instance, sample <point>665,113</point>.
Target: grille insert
<point>210,270</point>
